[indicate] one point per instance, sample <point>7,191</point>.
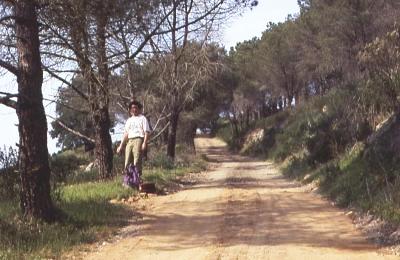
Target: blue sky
<point>250,24</point>
<point>253,22</point>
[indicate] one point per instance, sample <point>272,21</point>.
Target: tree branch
<point>159,133</point>
<point>9,67</point>
<point>7,101</point>
<point>71,130</point>
<point>143,44</point>
<point>8,17</point>
<point>80,93</point>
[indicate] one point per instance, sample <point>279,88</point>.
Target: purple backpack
<point>131,177</point>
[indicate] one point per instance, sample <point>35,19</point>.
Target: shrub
<point>161,160</point>
<point>234,141</point>
<point>270,127</point>
<point>325,127</point>
<point>297,167</point>
<point>383,151</point>
<point>64,165</point>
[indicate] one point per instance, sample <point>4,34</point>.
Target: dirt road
<point>242,209</point>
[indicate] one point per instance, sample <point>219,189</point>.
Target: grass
<point>165,177</point>
<point>88,215</point>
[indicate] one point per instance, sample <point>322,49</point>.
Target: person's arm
<point>145,140</point>
<point>146,130</point>
<point>123,141</point>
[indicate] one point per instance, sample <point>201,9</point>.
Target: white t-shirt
<point>136,126</point>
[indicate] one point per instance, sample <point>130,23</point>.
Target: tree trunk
<point>234,125</point>
<point>103,143</point>
<point>188,135</point>
<point>280,104</point>
<point>172,134</point>
<point>33,154</point>
<point>247,118</point>
<point>101,116</point>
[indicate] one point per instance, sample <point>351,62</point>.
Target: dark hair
<point>136,103</point>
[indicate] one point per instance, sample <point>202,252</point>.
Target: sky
<point>253,22</point>
<point>244,27</point>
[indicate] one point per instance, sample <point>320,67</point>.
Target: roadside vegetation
<point>326,143</point>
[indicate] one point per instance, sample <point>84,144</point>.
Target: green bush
<point>352,179</point>
<point>342,179</point>
<point>297,167</point>
<point>225,132</point>
<point>325,126</point>
<point>271,126</point>
<point>65,165</point>
<point>383,153</point>
<point>161,160</point>
<point>261,148</point>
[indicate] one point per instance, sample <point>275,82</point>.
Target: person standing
<point>136,135</point>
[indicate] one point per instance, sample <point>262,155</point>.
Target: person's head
<point>135,108</point>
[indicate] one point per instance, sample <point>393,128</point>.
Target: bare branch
<point>8,17</point>
<point>159,133</point>
<point>80,93</point>
<point>143,44</point>
<point>58,55</point>
<point>7,101</point>
<point>71,130</point>
<point>9,67</point>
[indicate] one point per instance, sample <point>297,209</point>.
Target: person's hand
<point>119,150</point>
<point>144,146</point>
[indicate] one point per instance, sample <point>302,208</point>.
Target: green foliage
<point>90,192</point>
<point>163,171</point>
<point>161,160</point>
<point>277,120</point>
<point>88,215</point>
<point>118,164</point>
<point>381,58</point>
<point>234,141</point>
<point>271,127</point>
<point>162,178</point>
<point>297,167</point>
<point>72,111</point>
<point>67,165</point>
<point>358,178</point>
<point>224,131</point>
<point>324,128</point>
<point>382,153</point>
<point>352,181</point>
<point>291,139</point>
<point>260,148</point>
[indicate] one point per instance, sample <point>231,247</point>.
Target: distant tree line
<point>338,44</point>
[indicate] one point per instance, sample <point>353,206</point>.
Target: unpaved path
<point>242,209</point>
